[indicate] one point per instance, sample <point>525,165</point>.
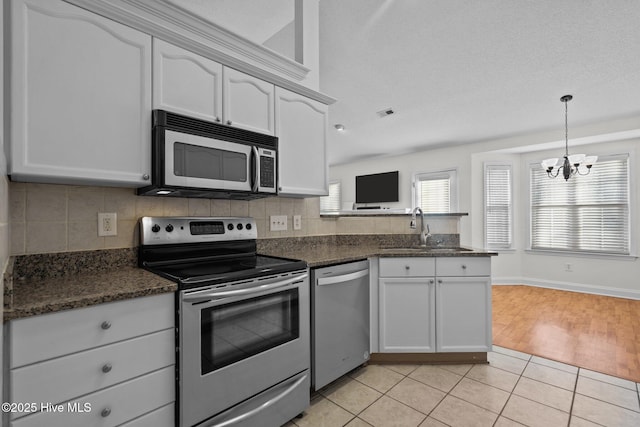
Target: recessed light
<point>339,127</point>
<point>385,112</point>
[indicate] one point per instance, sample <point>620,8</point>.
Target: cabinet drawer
<point>112,406</point>
<point>43,337</point>
<point>64,378</point>
<point>463,266</point>
<point>407,267</point>
<point>162,417</point>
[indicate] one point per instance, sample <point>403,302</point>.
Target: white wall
<point>607,275</point>
<point>4,190</point>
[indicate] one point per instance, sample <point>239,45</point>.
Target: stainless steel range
<point>243,321</point>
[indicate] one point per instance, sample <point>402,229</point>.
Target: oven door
<point>199,162</point>
<point>239,340</point>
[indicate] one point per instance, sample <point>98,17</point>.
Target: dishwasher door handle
<point>323,281</point>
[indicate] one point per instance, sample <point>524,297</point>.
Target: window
<point>436,192</point>
<point>333,201</point>
<point>584,214</point>
<point>498,206</point>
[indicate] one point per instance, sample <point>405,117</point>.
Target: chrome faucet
<point>423,235</point>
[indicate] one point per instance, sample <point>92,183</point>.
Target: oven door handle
<point>199,297</point>
<point>270,402</point>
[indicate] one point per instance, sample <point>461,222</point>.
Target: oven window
<point>236,331</point>
<point>196,161</point>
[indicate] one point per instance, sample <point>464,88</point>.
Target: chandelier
<point>576,164</point>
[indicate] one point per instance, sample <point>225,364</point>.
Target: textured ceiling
<point>462,71</point>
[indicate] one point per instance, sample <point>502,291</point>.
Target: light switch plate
<point>297,222</point>
<point>278,223</point>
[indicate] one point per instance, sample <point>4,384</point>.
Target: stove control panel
<point>168,230</point>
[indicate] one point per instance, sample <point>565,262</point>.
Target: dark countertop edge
<point>364,214</point>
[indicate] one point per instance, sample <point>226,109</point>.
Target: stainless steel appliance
<point>242,321</point>
<point>340,320</point>
<point>196,158</point>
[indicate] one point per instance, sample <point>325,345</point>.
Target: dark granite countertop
<point>47,283</point>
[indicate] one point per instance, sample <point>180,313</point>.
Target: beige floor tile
<point>579,422</point>
<point>546,394</point>
<point>554,364</point>
<point>386,412</point>
<point>604,413</point>
<point>457,369</point>
<point>609,393</point>
<point>511,364</point>
<point>357,422</point>
<point>432,422</point>
<point>377,377</point>
<point>458,413</point>
<point>402,369</point>
<point>533,414</point>
<point>513,353</point>
<point>417,395</point>
<point>351,395</point>
<point>436,377</point>
<point>620,382</point>
<point>494,377</point>
<point>480,394</point>
<point>551,376</point>
<point>323,413</point>
<point>506,422</point>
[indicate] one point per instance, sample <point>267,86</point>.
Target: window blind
<point>434,195</point>
<point>498,207</point>
<point>333,201</point>
<point>584,214</point>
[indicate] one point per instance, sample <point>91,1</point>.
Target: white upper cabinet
<point>186,83</point>
<point>301,128</point>
<point>248,102</point>
<point>80,97</point>
<point>190,84</point>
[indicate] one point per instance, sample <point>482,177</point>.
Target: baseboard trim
<point>569,286</point>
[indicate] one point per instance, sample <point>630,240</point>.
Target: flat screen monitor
<point>377,188</point>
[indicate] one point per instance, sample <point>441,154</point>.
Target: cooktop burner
<point>206,250</point>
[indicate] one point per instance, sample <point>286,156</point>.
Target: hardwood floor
<point>590,331</point>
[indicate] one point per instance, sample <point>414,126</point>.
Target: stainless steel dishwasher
<point>339,320</point>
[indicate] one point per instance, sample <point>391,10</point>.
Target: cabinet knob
<point>105,412</point>
<point>145,177</point>
<point>218,119</point>
<point>105,325</point>
<point>106,367</point>
<point>431,281</point>
<point>440,281</point>
<point>229,122</point>
<point>464,267</point>
<point>407,267</point>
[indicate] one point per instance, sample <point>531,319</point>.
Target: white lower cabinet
<point>431,304</point>
<point>104,365</point>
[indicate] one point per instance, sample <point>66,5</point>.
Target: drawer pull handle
<point>407,267</point>
<point>464,267</point>
<point>105,325</point>
<point>107,367</point>
<point>105,412</point>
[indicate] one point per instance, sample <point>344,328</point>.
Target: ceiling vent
<point>386,112</point>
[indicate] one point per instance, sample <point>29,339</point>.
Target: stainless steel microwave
<point>196,158</point>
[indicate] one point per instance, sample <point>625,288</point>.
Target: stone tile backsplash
<point>47,218</point>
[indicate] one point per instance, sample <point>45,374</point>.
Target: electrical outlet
<point>297,222</point>
<point>567,267</point>
<point>278,223</point>
<point>107,224</point>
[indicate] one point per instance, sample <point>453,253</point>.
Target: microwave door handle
<point>255,166</point>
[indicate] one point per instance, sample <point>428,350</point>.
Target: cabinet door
<point>186,83</point>
<point>407,315</point>
<point>80,97</point>
<point>463,314</point>
<point>301,126</point>
<point>248,102</point>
